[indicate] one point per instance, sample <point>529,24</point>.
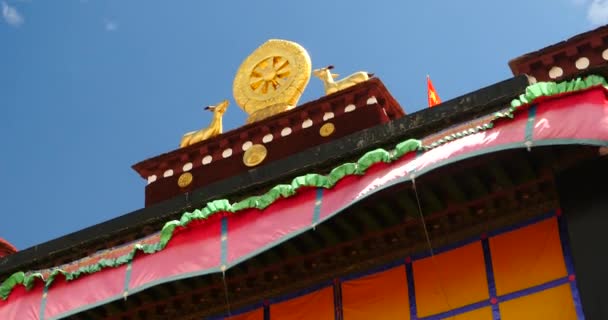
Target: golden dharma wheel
<point>276,73</point>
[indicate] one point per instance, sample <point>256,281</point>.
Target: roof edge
<point>468,106</point>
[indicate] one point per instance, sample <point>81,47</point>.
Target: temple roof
<point>538,117</point>
<point>139,223</point>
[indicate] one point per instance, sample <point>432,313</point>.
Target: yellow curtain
<point>479,314</point>
<point>450,280</point>
<point>555,304</point>
<point>318,305</point>
<point>527,257</point>
<point>522,259</point>
<point>381,296</point>
<point>257,314</point>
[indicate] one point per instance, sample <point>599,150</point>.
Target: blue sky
<point>88,88</point>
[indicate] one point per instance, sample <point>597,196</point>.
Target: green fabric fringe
<point>532,93</point>
<point>218,206</point>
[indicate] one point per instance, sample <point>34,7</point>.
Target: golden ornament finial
<point>332,85</point>
<point>272,79</point>
<point>214,129</point>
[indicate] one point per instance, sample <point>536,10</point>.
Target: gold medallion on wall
<point>185,179</point>
<point>327,129</point>
<point>255,155</point>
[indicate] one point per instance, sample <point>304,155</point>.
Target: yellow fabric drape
<point>450,280</point>
<point>257,314</point>
<point>318,305</point>
<point>479,314</point>
<point>523,258</point>
<point>527,257</point>
<point>381,296</point>
<point>555,304</point>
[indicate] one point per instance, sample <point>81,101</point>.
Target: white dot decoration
<point>328,115</point>
<point>372,100</point>
<point>207,159</point>
<point>227,153</point>
<point>168,173</point>
<point>285,132</point>
<point>247,145</point>
<point>555,72</point>
<point>605,54</point>
<point>151,178</point>
<point>582,63</point>
<point>307,124</point>
<point>267,138</point>
<point>350,107</point>
<point>187,167</point>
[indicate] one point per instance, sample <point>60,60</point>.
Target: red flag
<point>432,94</point>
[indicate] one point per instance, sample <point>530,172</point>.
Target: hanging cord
<point>428,241</point>
<point>426,232</point>
<point>226,292</point>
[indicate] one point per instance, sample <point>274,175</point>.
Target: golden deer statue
<point>332,85</point>
<point>214,129</point>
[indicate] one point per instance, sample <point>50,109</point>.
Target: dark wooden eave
<point>318,159</point>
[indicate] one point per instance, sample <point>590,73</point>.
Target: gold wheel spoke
<point>283,75</point>
<point>282,65</point>
<point>256,84</point>
<point>259,87</point>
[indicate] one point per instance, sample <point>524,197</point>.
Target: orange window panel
<point>555,304</point>
<point>378,296</point>
<point>450,280</point>
<point>527,257</point>
<point>257,314</point>
<point>479,314</point>
<point>318,305</point>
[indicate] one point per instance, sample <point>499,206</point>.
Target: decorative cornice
<point>566,59</point>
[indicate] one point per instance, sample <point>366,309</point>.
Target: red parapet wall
<point>362,106</point>
<point>566,59</point>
